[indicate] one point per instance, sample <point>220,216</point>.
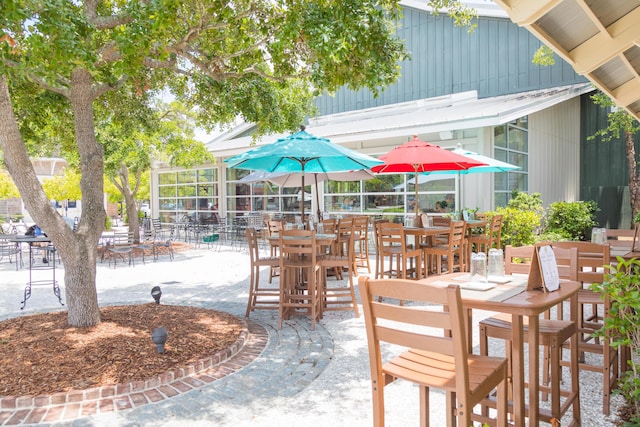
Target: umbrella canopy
<point>491,165</point>
<point>418,156</point>
<point>304,153</point>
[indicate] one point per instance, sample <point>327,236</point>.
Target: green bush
<point>107,223</point>
<point>519,227</point>
<point>527,202</point>
<point>573,220</point>
<point>623,324</point>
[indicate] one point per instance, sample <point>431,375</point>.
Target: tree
<point>131,144</point>
<point>622,123</point>
<point>63,187</point>
<point>259,60</point>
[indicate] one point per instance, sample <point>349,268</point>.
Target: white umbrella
<point>490,165</point>
<point>294,179</point>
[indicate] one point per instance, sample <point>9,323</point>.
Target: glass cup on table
<point>496,263</point>
<point>478,268</point>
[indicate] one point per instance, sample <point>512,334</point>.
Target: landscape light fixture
<point>156,293</point>
<point>159,337</point>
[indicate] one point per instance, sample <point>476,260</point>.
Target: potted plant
<point>622,286</point>
<point>469,214</point>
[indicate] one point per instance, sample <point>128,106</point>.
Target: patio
<point>320,377</point>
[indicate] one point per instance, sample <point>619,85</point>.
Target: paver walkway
<point>317,378</point>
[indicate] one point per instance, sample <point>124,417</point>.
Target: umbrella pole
<point>417,207</point>
<point>302,199</point>
<point>317,197</point>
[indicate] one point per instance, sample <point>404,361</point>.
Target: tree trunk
<point>130,200</point>
<point>77,250</point>
<point>634,180</point>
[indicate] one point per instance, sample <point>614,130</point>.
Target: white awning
<point>446,113</point>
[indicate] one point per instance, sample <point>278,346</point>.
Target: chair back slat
<point>517,259</point>
<point>592,259</point>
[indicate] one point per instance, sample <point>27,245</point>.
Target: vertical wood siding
<point>495,60</point>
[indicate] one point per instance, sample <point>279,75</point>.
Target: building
<point>479,91</point>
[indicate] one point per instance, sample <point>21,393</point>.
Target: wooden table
<point>519,304</point>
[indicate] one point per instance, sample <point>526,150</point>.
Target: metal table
<point>48,253</point>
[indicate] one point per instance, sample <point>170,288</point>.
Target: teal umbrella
<point>304,153</point>
<point>491,165</point>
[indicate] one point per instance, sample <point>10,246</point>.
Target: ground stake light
<point>159,337</point>
<point>156,293</point>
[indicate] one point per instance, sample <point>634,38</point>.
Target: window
<point>191,194</point>
<point>511,145</point>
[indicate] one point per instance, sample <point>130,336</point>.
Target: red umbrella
<point>418,156</point>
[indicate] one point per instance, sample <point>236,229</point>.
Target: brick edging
<point>73,404</point>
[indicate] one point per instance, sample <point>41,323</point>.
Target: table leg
<point>517,360</point>
<point>534,369</point>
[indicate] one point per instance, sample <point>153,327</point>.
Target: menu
<point>544,269</point>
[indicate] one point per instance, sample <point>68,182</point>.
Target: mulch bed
<point>40,354</point>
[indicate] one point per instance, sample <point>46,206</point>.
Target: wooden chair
<point>436,355</point>
<point>299,276</point>
<point>553,334</point>
<point>482,242</point>
<point>361,255</point>
<point>260,297</point>
<point>379,260</point>
<point>393,245</point>
<point>591,261</point>
<point>453,249</point>
<point>273,228</point>
<point>337,297</point>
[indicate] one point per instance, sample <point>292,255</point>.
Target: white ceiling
<point>599,38</point>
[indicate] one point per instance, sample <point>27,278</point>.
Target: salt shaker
<point>496,262</point>
<point>479,267</point>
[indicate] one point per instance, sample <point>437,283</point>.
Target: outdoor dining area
<point>541,308</point>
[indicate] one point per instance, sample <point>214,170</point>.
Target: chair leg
<point>424,406</point>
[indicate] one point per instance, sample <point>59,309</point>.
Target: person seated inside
<point>439,207</point>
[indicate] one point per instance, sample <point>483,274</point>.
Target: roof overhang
<point>600,39</point>
<point>446,113</point>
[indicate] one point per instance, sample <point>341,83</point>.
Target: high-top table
<point>49,265</point>
<point>518,302</point>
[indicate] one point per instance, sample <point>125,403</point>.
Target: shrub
<point>519,227</point>
<point>623,324</point>
<point>573,220</point>
<point>107,223</point>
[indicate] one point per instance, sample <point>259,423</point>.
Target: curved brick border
<point>15,410</point>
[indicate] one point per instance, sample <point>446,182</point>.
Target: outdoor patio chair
<point>336,296</point>
<point>553,334</point>
<point>12,251</point>
<point>121,248</point>
<point>431,331</point>
<point>453,250</point>
<point>299,276</point>
<point>361,255</point>
<point>393,245</point>
<point>260,297</point>
<point>592,309</point>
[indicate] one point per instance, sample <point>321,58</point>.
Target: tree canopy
<point>64,63</point>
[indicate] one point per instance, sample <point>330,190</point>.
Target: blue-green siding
<point>604,172</point>
<point>496,59</point>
